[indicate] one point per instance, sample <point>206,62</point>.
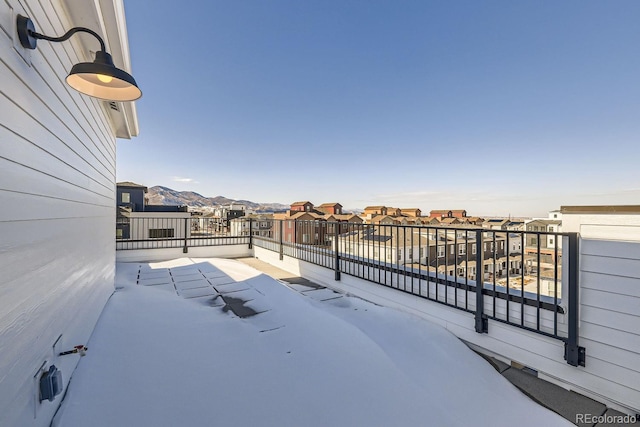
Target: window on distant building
<point>126,198</point>
<point>473,249</point>
<point>161,233</point>
<point>440,251</point>
<point>118,233</point>
<point>462,249</point>
<point>452,249</point>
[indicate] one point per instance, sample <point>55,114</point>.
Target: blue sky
<point>496,107</point>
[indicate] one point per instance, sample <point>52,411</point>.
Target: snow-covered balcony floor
<point>203,342</point>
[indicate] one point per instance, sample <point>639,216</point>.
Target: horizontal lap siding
<point>610,311</point>
<point>57,188</point>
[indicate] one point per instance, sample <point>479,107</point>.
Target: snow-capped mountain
<point>160,195</point>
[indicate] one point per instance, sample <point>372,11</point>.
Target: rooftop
<point>202,341</point>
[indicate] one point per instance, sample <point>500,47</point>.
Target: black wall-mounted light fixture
<point>99,79</point>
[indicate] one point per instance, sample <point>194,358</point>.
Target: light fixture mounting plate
<point>25,27</point>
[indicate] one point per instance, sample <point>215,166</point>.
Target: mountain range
<point>160,195</point>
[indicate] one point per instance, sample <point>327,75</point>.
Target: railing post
<point>482,322</point>
<point>185,248</point>
<point>250,233</point>
<point>336,248</point>
<point>573,353</point>
<point>281,222</point>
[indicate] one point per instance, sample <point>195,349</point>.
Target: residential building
<point>446,213</point>
<point>371,211</point>
<point>411,212</point>
<point>261,225</point>
<point>496,223</point>
<point>57,258</point>
<point>330,208</point>
<point>304,206</point>
<point>304,223</point>
<point>135,219</point>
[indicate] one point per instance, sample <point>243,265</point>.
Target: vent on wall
<point>114,106</point>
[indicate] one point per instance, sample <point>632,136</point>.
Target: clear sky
<point>496,107</point>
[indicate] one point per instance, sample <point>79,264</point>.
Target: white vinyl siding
<point>57,163</point>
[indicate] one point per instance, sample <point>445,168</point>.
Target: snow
<point>159,357</point>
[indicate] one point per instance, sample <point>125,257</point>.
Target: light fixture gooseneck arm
<point>68,35</point>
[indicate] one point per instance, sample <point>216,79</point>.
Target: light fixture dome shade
<point>101,79</point>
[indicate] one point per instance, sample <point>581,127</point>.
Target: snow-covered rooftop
<point>202,342</point>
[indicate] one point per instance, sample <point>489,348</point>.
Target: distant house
<point>135,219</point>
<point>305,206</point>
<point>496,223</point>
<point>330,208</point>
<point>261,225</point>
<point>450,221</point>
<point>445,213</point>
<point>514,226</point>
<point>131,195</point>
<point>303,227</point>
<point>383,220</point>
<point>394,211</point>
<point>304,223</point>
<point>412,212</point>
<point>474,220</point>
<point>371,211</point>
<point>546,240</point>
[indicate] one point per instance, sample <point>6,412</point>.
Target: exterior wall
<point>136,198</point>
<point>57,168</point>
<point>610,312</point>
<point>617,227</point>
<point>610,296</point>
<point>147,255</point>
<point>302,207</point>
<point>143,222</point>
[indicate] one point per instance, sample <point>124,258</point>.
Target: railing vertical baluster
<point>508,268</point>
<point>522,267</point>
<point>555,284</point>
<point>539,270</point>
<point>456,252</point>
<point>494,272</point>
<point>405,256</point>
<point>466,272</point>
<point>482,322</point>
<point>185,249</point>
<point>281,238</point>
<point>337,251</point>
<point>250,233</point>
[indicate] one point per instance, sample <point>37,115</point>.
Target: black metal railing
<point>528,278</point>
<point>164,231</point>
